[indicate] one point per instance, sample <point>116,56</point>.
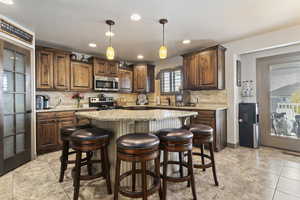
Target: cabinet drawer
<point>66,119</point>
<point>45,116</point>
<point>206,113</point>
<point>65,114</point>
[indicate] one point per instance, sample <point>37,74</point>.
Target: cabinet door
<point>44,70</point>
<point>112,68</point>
<point>208,75</point>
<point>140,78</point>
<point>100,67</point>
<point>47,137</point>
<point>81,76</point>
<point>125,80</point>
<point>190,72</point>
<point>61,71</point>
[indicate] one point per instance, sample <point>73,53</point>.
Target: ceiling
<point>76,23</point>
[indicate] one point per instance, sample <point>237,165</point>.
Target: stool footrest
<point>200,166</point>
<point>134,194</point>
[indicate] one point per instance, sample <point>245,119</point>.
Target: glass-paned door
<point>15,106</point>
<point>279,98</point>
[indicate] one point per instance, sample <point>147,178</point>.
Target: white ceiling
<point>76,23</point>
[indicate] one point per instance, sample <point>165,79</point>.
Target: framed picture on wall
<point>238,73</point>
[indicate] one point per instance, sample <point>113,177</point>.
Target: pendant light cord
<point>163,34</point>
<point>110,33</point>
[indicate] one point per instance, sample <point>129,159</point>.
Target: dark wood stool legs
<point>202,157</point>
<point>77,175</point>
<point>165,174</point>
<point>211,149</point>
<point>117,179</point>
<point>64,160</point>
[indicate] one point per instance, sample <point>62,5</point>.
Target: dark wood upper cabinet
<point>143,78</point>
<point>44,70</point>
<point>125,80</point>
<point>61,71</point>
<point>105,68</point>
<point>52,69</point>
<point>205,69</point>
<point>81,76</point>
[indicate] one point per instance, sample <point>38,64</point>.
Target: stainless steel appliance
<point>42,102</point>
<point>103,83</point>
<point>102,102</point>
<point>249,125</point>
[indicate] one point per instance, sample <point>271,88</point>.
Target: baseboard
<point>231,145</point>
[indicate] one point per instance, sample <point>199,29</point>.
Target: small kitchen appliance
<point>42,102</point>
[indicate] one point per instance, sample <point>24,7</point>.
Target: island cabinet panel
<point>61,71</point>
<point>81,76</point>
<point>44,70</point>
<point>105,68</point>
<point>48,129</point>
<point>143,78</point>
<point>205,69</point>
<point>125,80</point>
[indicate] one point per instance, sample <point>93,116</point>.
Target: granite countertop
<point>135,115</point>
<point>198,107</point>
<point>65,109</point>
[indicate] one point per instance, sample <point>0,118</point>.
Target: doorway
<point>278,95</point>
<point>15,106</point>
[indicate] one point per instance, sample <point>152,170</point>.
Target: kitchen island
<point>122,122</point>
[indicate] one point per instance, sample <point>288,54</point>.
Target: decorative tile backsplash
<point>66,97</point>
<point>209,97</point>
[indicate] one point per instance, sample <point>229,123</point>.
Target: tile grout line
<point>56,177</point>
<point>278,181</point>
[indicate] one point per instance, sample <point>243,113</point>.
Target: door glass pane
<point>9,103</point>
<point>285,99</point>
<point>20,82</point>
<point>8,59</point>
<point>20,123</point>
<point>9,125</point>
<point>8,147</point>
<point>8,82</point>
<point>20,144</point>
<point>20,63</point>
<point>20,103</point>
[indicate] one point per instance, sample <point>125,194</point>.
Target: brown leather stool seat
<point>89,140</point>
<point>177,141</point>
<point>137,148</point>
<point>65,133</point>
<point>201,132</point>
<point>203,135</point>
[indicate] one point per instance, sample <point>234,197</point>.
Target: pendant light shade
<point>163,51</point>
<point>110,52</point>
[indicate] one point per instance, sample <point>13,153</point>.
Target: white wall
<point>286,39</point>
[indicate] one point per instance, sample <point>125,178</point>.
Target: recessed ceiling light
<point>135,17</point>
<point>140,56</point>
<point>92,45</point>
<point>186,41</point>
<point>8,2</point>
<point>109,33</point>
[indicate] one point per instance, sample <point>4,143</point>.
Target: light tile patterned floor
<point>244,174</point>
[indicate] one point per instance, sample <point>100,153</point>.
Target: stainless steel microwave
<point>103,83</point>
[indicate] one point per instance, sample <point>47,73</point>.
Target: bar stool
<point>178,141</point>
<point>134,148</point>
<point>203,134</point>
<point>65,133</point>
<point>88,140</point>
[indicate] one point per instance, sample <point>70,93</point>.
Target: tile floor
<point>244,174</point>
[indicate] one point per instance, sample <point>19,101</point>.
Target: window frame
<point>161,72</point>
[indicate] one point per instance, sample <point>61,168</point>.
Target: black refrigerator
<point>249,125</point>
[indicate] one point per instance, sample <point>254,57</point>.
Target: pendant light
<point>110,52</point>
<point>163,51</point>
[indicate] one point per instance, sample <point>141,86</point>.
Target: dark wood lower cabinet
<point>48,129</point>
<point>217,120</point>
